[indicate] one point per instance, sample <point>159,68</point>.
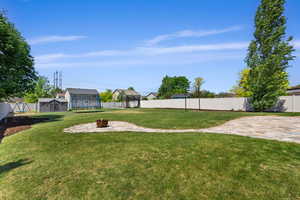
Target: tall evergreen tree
<point>269,55</point>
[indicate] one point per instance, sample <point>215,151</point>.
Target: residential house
<point>294,90</point>
<point>60,95</point>
<point>151,96</point>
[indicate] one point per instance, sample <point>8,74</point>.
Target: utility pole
<point>60,80</point>
<point>57,79</point>
<point>54,80</point>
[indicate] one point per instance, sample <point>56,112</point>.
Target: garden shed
<point>52,105</point>
<point>82,98</point>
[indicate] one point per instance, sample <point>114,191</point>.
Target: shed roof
<point>128,92</point>
<point>45,100</point>
<point>82,91</point>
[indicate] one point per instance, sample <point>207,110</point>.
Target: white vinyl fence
<point>112,105</point>
<point>128,104</point>
<point>285,104</point>
<point>5,110</point>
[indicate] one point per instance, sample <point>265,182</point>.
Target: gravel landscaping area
<point>267,127</point>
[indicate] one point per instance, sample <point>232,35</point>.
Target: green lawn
<point>45,163</point>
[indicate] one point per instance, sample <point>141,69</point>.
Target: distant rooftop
<point>294,88</point>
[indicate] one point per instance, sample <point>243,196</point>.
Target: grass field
<point>45,163</point>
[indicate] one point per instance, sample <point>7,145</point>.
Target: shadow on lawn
<point>12,165</point>
<point>88,111</point>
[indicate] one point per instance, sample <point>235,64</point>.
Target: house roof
<point>60,94</point>
<point>294,88</point>
<point>128,92</point>
<point>153,93</point>
<point>45,100</point>
<point>82,91</point>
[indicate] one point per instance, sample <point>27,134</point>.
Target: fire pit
<point>102,123</point>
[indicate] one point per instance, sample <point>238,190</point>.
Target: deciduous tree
<point>242,87</point>
<point>17,74</point>
<point>198,82</point>
<point>173,85</point>
<point>106,96</point>
<point>42,89</point>
<point>131,88</point>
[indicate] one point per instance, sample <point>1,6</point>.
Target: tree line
<point>181,85</point>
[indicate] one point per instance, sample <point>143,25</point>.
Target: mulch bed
<point>17,124</point>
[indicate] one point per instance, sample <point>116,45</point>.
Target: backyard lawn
<point>45,163</point>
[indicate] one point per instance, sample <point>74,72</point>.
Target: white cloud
<point>105,53</point>
<point>147,51</point>
<point>54,38</point>
<point>49,57</point>
<point>189,33</point>
<point>181,59</point>
<point>296,44</point>
<point>193,48</point>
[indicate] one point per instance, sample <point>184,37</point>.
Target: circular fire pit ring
<point>102,123</point>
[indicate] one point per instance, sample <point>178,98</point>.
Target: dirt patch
<point>17,124</point>
<point>12,130</point>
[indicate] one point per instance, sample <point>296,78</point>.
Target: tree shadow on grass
<point>91,111</point>
<point>12,165</point>
<point>48,117</point>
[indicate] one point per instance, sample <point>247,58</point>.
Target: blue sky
<point>117,44</point>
